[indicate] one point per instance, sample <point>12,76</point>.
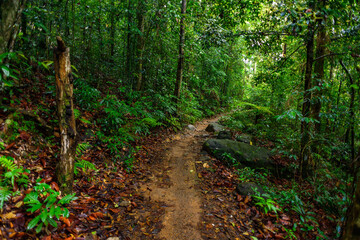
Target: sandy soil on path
<point>174,183</point>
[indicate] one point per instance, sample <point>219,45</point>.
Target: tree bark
<point>128,68</point>
<point>305,155</point>
<point>65,111</point>
<point>10,16</point>
<point>141,44</point>
<point>180,68</point>
<point>112,30</point>
<point>101,44</point>
<point>351,129</point>
<point>319,75</point>
<point>351,229</point>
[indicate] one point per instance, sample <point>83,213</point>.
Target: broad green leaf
<point>31,198</point>
<point>39,227</point>
<point>33,222</point>
<point>35,207</point>
<point>44,215</point>
<point>13,76</point>
<point>58,212</point>
<point>67,199</point>
<point>52,222</point>
<point>5,70</point>
<point>73,67</point>
<point>52,211</point>
<point>66,213</point>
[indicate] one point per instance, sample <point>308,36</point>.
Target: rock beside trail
<point>214,127</point>
<point>191,127</point>
<point>245,154</point>
<point>249,188</point>
<point>245,138</point>
<point>224,135</point>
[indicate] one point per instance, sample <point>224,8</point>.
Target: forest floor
<point>175,183</point>
<point>174,191</point>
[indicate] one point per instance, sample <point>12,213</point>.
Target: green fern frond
<point>151,122</point>
<point>257,107</point>
<point>5,195</point>
<point>8,163</point>
<point>82,147</point>
<point>84,165</point>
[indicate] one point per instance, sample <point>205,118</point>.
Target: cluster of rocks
<point>242,152</point>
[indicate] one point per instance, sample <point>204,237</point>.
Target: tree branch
<point>347,72</point>
<point>328,55</point>
<point>290,56</point>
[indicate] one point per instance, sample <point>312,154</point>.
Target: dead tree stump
<point>65,111</point>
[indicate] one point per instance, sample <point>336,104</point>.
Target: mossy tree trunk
<point>141,44</point>
<point>180,68</point>
<point>10,16</point>
<point>321,42</point>
<point>65,108</point>
<point>306,162</point>
<point>351,229</point>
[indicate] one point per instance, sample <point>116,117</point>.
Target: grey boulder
<point>224,135</point>
<point>245,138</point>
<point>243,154</point>
<point>214,127</point>
<point>249,188</point>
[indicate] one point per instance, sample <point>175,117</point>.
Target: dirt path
<point>174,183</point>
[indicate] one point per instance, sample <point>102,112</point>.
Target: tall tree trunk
<point>351,129</point>
<point>180,68</point>
<point>319,75</point>
<point>67,27</point>
<point>112,29</point>
<point>101,44</point>
<point>10,16</point>
<point>65,111</point>
<point>351,229</point>
<point>305,155</point>
<point>141,44</point>
<point>128,67</point>
<point>73,22</point>
<point>24,22</point>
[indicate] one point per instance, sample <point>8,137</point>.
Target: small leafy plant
<point>84,166</point>
<point>45,201</point>
<point>5,195</point>
<point>80,163</point>
<point>267,204</point>
<point>14,173</point>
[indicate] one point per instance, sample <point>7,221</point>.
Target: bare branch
<point>328,55</point>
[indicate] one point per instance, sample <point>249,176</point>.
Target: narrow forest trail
<point>174,183</point>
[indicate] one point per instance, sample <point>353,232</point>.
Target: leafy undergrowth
<point>108,200</point>
<point>229,215</point>
<point>109,168</point>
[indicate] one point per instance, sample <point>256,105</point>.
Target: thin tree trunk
<point>305,155</point>
<point>351,229</point>
<point>351,129</point>
<point>112,30</point>
<point>141,44</point>
<point>65,111</point>
<point>319,75</point>
<point>101,44</point>
<point>67,28</point>
<point>73,22</point>
<point>10,16</point>
<point>180,68</point>
<point>129,45</point>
